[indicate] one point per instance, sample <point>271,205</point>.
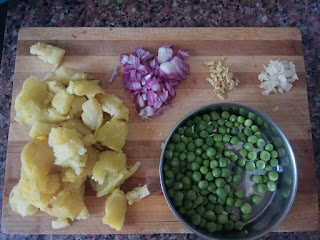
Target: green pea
<point>191,156</point>
<point>233,118</point>
<point>252,156</point>
<point>217,137</point>
<point>242,136</point>
<point>257,199</point>
<point>221,121</point>
<point>260,143</point>
<point>246,208</point>
<point>203,184</point>
<point>265,179</point>
<point>222,219</point>
<point>196,176</point>
<point>221,193</point>
<point>210,152</point>
<point>261,188</point>
<point>230,201</point>
<point>257,134</point>
<point>209,141</point>
<point>226,138</point>
<point>191,147</point>
<point>239,193</point>
<point>234,131</point>
<point>182,156</point>
<point>198,151</point>
<point>238,225</point>
<point>214,115</point>
<point>218,209</point>
<point>225,115</point>
<point>234,140</point>
<point>272,186</point>
<point>273,176</point>
<point>220,182</point>
<point>203,134</point>
<point>248,122</point>
<point>178,196</point>
<point>211,187</point>
<point>229,225</point>
<point>237,170</point>
<point>234,158</point>
<point>254,128</point>
<point>191,195</point>
<point>274,154</point>
<point>260,164</point>
<point>274,162</point>
<point>250,166</point>
<point>256,179</point>
<point>243,152</point>
<point>169,174</point>
<point>176,138</point>
<point>247,131</point>
<point>214,164</point>
<point>233,217</point>
<point>248,146</point>
<point>210,215</point>
<point>245,217</point>
<point>212,198</point>
<point>264,155</point>
<point>228,124</point>
<point>186,180</point>
<point>216,172</point>
<point>238,202</point>
<point>240,119</point>
<point>168,154</point>
<point>211,227</point>
<point>252,139</point>
<point>225,172</point>
<point>268,167</point>
<point>195,135</point>
<point>206,118</point>
<point>269,147</point>
<point>236,178</point>
<point>219,146</point>
<point>202,125</point>
<point>177,185</point>
<point>171,147</point>
<point>236,124</point>
<point>201,210</point>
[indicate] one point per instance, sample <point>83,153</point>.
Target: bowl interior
<point>275,205</point>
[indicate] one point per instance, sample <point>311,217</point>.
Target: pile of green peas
<point>201,174</point>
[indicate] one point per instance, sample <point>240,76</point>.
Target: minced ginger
<point>221,78</point>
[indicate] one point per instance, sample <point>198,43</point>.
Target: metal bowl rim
<point>273,124</point>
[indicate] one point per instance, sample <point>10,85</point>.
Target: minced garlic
<point>221,78</point>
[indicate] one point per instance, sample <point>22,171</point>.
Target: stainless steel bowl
<point>276,205</point>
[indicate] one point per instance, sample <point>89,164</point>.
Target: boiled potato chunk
<point>89,139</point>
<point>78,125</point>
<point>60,223</point>
<point>112,134</point>
<point>113,106</point>
<point>41,130</point>
<point>19,202</point>
<point>29,103</point>
<point>116,207</point>
<point>137,194</point>
<point>66,74</point>
<point>53,116</point>
<point>114,180</point>
<point>92,114</point>
<point>109,161</point>
<point>54,86</point>
<point>76,106</point>
<point>62,101</point>
<point>69,175</point>
<point>48,53</point>
<point>84,88</point>
<point>68,148</point>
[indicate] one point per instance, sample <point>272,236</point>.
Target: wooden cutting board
<point>97,50</point>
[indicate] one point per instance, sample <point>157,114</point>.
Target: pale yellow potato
<point>60,223</point>
<point>78,125</point>
<point>54,86</point>
<point>65,74</point>
<point>89,139</point>
<point>29,104</point>
<point>116,207</point>
<point>114,180</point>
<point>53,116</point>
<point>137,194</point>
<point>92,114</point>
<point>84,88</point>
<point>68,148</point>
<point>41,130</point>
<point>109,161</point>
<point>113,106</point>
<point>113,134</point>
<point>19,202</point>
<point>48,53</point>
<point>76,106</point>
<point>62,101</point>
<point>69,175</point>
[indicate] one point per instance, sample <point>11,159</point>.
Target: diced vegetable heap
<point>152,80</point>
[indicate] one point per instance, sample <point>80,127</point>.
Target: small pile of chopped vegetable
<point>279,76</point>
<point>152,80</point>
<point>220,78</point>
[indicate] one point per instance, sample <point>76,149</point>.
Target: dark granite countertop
<point>304,14</point>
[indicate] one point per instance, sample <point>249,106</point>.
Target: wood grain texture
<point>96,50</point>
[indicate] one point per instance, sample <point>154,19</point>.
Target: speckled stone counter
<point>204,13</point>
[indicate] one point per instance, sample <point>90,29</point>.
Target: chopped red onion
<point>113,74</point>
<point>152,80</point>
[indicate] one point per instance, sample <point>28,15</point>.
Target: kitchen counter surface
<point>93,13</point>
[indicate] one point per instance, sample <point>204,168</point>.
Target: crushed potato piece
<point>84,88</point>
<point>114,106</point>
<point>109,161</point>
<point>60,223</point>
<point>116,207</point>
<point>68,148</point>
<point>19,203</point>
<point>78,125</point>
<point>137,194</point>
<point>92,114</point>
<point>66,74</point>
<point>221,78</point>
<point>41,130</point>
<point>114,180</point>
<point>48,53</point>
<point>62,101</point>
<point>112,134</point>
